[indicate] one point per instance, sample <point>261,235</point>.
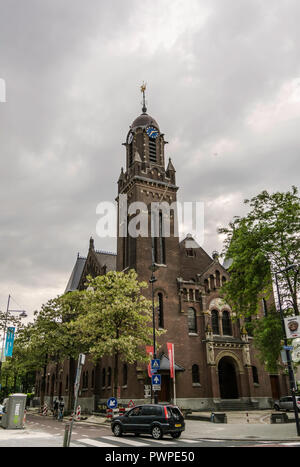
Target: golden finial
<point>143,89</point>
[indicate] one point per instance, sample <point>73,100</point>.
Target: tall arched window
<point>109,376</point>
<point>195,374</point>
<point>226,323</point>
<point>218,279</point>
<point>152,150</point>
<point>124,374</point>
<point>255,375</point>
<point>103,377</point>
<point>160,310</point>
<point>215,322</point>
<point>192,321</point>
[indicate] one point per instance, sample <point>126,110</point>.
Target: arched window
<point>160,311</point>
<point>226,323</point>
<point>192,321</point>
<point>103,377</point>
<point>215,322</point>
<point>195,374</point>
<point>152,150</point>
<point>218,279</point>
<point>255,375</point>
<point>124,374</point>
<point>206,286</point>
<point>191,295</point>
<point>212,282</point>
<point>109,376</point>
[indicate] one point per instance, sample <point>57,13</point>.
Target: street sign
<point>112,403</point>
<point>156,382</point>
<point>288,347</point>
<point>155,364</point>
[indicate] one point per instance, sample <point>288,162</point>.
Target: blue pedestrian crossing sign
<point>155,364</point>
<point>156,382</point>
<point>112,403</point>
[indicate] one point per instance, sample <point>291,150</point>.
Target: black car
<point>158,420</point>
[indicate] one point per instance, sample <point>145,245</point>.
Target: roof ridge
<point>106,252</point>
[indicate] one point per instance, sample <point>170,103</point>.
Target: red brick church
<point>216,366</point>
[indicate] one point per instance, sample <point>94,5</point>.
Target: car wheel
<point>176,435</point>
<point>157,432</point>
<point>117,430</point>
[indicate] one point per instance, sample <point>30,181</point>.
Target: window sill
<point>193,334</point>
<point>125,386</point>
<point>196,385</point>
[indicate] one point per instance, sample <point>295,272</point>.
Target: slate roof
<point>76,275</point>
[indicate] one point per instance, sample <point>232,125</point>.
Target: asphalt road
<point>47,432</point>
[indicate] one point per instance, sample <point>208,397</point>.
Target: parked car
<point>286,403</point>
<point>158,420</point>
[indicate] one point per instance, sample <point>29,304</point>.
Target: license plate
<point>178,424</point>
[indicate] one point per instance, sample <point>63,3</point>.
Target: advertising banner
<point>292,327</point>
<point>9,342</point>
<point>171,358</point>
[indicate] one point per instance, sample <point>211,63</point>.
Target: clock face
<point>152,132</point>
<point>130,138</point>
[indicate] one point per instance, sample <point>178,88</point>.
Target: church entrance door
<point>227,379</point>
<point>165,394</point>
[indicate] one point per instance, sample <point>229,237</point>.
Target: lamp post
<point>23,315</point>
<point>152,280</point>
<point>288,354</point>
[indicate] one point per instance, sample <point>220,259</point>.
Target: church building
<point>216,365</point>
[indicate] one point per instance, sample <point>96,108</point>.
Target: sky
<point>223,83</point>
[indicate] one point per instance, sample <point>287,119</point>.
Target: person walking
<point>55,408</point>
<point>61,408</point>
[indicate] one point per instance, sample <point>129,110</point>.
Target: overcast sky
<point>223,82</point>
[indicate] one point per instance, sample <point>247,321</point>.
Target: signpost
<point>155,364</point>
<point>112,403</point>
<point>68,434</point>
<point>156,382</point>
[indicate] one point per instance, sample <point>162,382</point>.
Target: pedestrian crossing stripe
<point>130,442</point>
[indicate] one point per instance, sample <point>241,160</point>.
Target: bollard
<point>66,436</point>
<point>78,414</point>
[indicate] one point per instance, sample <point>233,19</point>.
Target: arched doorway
<point>228,378</point>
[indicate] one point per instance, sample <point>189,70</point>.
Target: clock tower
<point>147,201</point>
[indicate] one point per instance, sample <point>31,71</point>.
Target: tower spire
<point>143,90</point>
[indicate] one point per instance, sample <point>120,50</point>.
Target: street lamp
<point>23,314</point>
<point>153,279</point>
<point>288,354</point>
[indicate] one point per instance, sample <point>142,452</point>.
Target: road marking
<point>125,441</point>
<point>98,444</point>
<point>291,444</point>
<point>189,440</point>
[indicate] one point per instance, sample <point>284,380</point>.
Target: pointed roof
<point>75,277</point>
<point>170,167</point>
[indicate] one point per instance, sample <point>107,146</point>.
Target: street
<point>47,432</point>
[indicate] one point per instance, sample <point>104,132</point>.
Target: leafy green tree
<point>259,244</point>
<point>116,319</point>
<point>49,339</point>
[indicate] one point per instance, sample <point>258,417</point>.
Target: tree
<point>116,319</point>
<point>49,338</point>
<point>263,242</point>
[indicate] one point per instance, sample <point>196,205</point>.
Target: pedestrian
<point>55,408</point>
<point>61,407</point>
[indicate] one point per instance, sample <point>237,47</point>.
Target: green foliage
<point>115,317</point>
<point>260,244</point>
<point>267,335</point>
